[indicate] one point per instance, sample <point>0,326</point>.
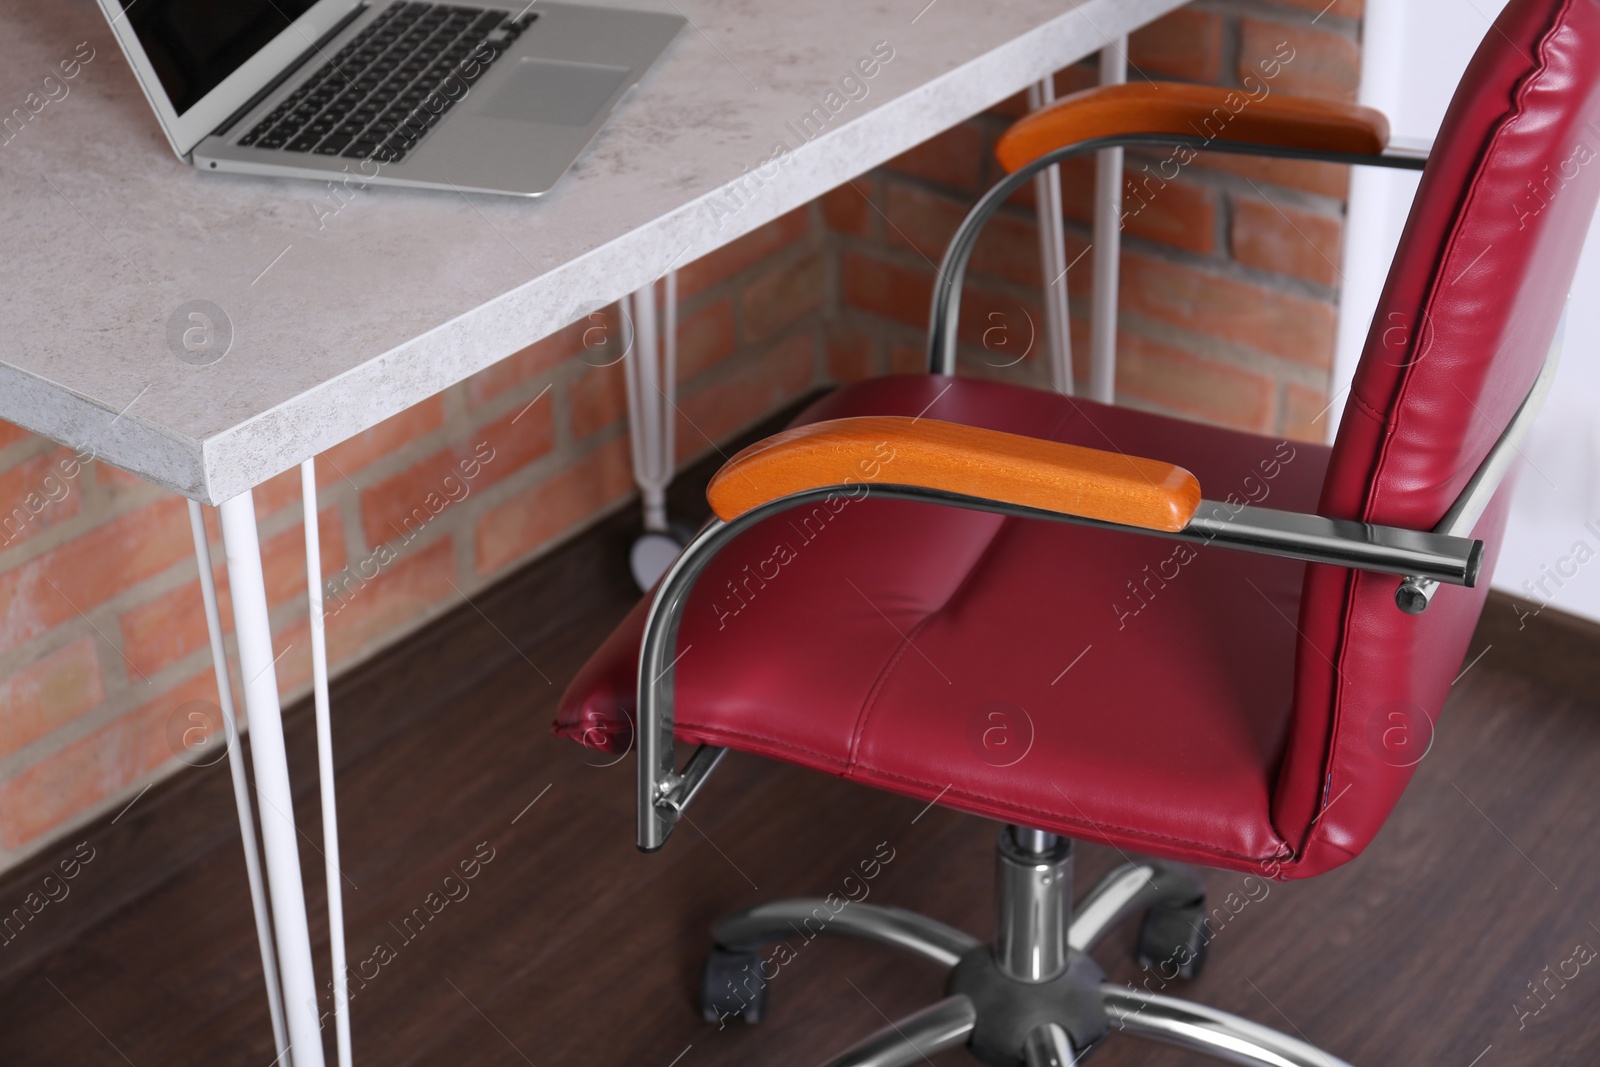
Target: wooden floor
<point>570,948</point>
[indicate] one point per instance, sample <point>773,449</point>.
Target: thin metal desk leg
<point>1107,243</point>
<point>330,815</point>
<point>651,364</point>
<point>1053,255</point>
<point>241,789</point>
<point>242,546</point>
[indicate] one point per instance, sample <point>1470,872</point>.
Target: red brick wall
<point>1229,273</point>
<point>1228,288</point>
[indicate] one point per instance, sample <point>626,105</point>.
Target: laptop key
<point>390,84</point>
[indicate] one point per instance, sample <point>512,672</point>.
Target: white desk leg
<point>1053,255</point>
<point>242,546</point>
<point>330,816</point>
<point>241,789</point>
<point>1107,243</point>
<point>651,365</point>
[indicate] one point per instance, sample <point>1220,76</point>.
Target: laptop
<point>471,95</point>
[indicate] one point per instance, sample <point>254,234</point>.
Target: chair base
<point>1033,997</point>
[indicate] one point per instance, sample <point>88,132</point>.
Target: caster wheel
<point>653,552</point>
<point>732,987</point>
<point>1173,939</point>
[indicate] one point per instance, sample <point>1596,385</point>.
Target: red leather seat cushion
<point>1100,684</point>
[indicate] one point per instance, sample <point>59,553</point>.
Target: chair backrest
<point>1468,313</point>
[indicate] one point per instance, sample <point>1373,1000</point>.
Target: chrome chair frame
<point>1036,925</point>
<point>1033,996</point>
<point>664,792</point>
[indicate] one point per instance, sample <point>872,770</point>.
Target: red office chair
<point>971,594</point>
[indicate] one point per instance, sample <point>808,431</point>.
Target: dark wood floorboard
<point>570,948</point>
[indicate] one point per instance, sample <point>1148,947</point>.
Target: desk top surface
<point>341,319</point>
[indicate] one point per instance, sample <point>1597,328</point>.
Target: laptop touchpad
<point>553,90</point>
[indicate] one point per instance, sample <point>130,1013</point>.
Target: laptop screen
<point>194,44</point>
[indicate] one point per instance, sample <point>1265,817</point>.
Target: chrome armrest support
<point>1416,592</point>
<point>664,791</point>
<point>952,272</point>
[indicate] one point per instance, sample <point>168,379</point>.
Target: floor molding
<point>1555,649</point>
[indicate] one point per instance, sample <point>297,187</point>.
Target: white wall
<point>1413,55</point>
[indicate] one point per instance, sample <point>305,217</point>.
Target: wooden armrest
<point>987,464</point>
<point>1208,112</point>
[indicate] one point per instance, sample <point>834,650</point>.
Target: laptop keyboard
<point>391,83</point>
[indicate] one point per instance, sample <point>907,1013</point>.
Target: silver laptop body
<point>496,96</point>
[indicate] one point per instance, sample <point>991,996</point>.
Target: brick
<point>849,355</point>
<point>40,492</point>
<point>1346,9</point>
<point>1313,62</point>
<point>1172,212</point>
<point>1009,248</point>
<point>1184,44</point>
<point>117,480</point>
<point>597,399</point>
<point>1324,179</point>
<point>847,210</point>
<point>169,627</point>
<point>1205,389</point>
<point>95,767</point>
<point>90,569</point>
<point>705,339</point>
<point>921,219</point>
<point>1286,240</point>
<point>368,446</point>
<point>904,294</point>
<point>957,159</point>
<point>1073,188</point>
<point>1282,324</point>
<point>365,611</point>
<point>283,557</point>
<point>11,433</point>
<point>371,611</point>
<point>516,529</point>
<point>165,629</point>
<point>907,359</point>
<point>1012,107</point>
<point>1175,213</point>
<point>782,296</point>
<point>924,221</point>
<point>601,340</point>
<point>1080,75</point>
<point>765,382</point>
<point>49,693</point>
<point>1078,327</point>
<point>283,489</point>
<point>735,256</point>
<point>1307,415</point>
<point>886,289</point>
<point>1008,330</point>
<point>292,645</point>
<point>403,505</point>
<point>538,358</point>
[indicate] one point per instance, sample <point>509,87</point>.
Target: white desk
<point>341,321</point>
